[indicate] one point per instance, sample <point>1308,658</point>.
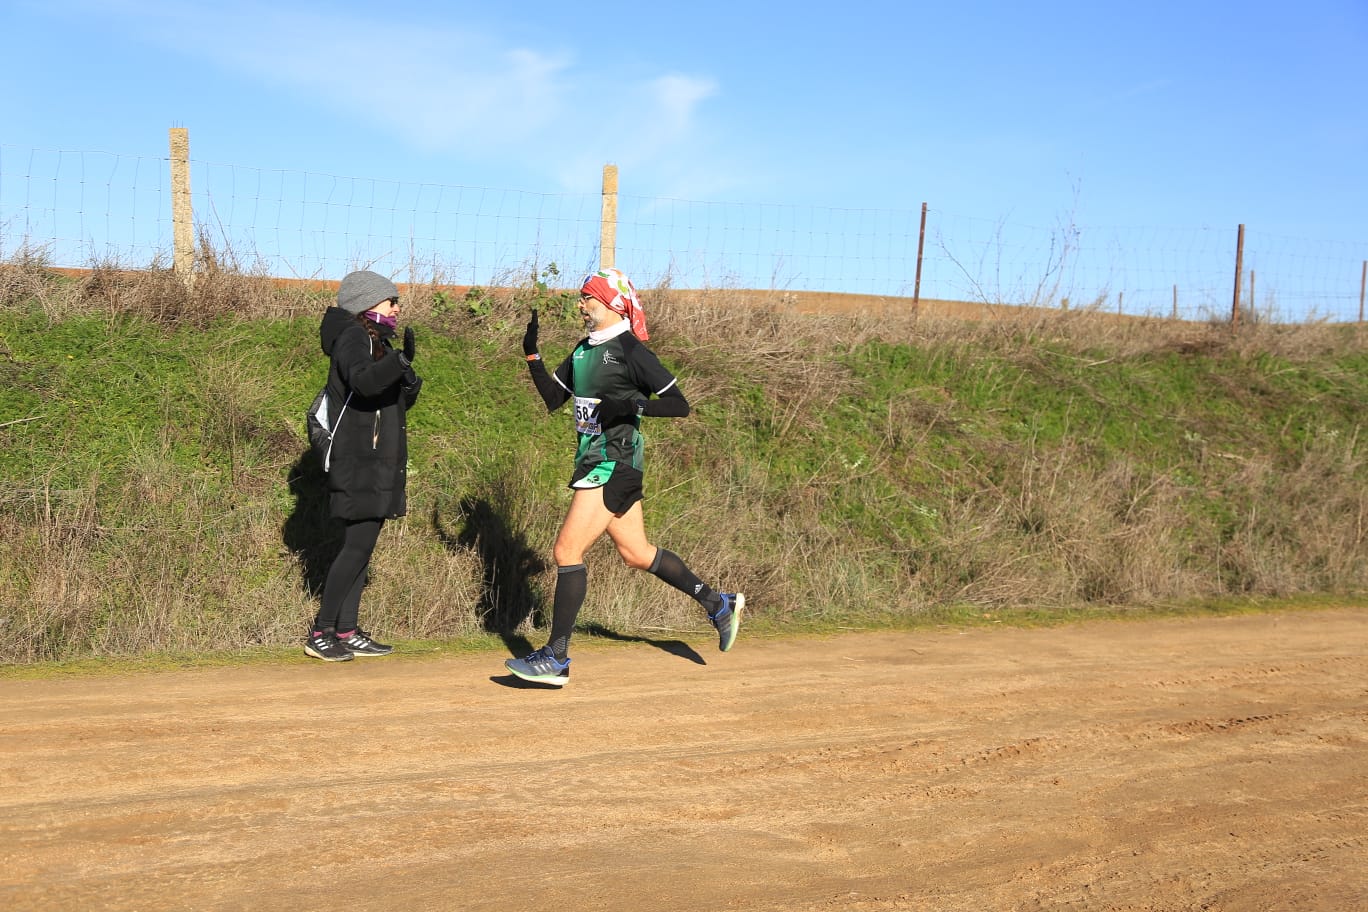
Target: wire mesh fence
<point>86,207</point>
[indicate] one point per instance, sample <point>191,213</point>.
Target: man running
<point>611,376</point>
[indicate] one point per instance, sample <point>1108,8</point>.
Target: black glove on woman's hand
<point>408,377</point>
<point>410,347</point>
<point>530,337</point>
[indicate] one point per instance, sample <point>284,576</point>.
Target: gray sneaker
<point>324,644</point>
<point>541,666</point>
<point>361,643</point>
<point>727,619</point>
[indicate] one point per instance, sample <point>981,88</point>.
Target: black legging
<point>347,576</point>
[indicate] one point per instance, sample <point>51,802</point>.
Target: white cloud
<point>668,107</point>
<point>440,88</point>
<point>652,126</point>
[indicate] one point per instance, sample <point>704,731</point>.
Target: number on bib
<point>586,415</point>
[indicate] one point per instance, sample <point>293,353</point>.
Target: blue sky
<point>1165,114</point>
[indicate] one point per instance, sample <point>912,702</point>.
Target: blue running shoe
<point>541,666</point>
<point>727,619</point>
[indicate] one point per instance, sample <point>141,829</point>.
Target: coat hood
<point>335,322</point>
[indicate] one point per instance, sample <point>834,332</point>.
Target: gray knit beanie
<point>360,291</point>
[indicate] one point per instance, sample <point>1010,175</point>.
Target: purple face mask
<point>391,321</point>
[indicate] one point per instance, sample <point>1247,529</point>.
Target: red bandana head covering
<point>615,290</point>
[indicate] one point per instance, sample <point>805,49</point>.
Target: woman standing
<point>373,385</point>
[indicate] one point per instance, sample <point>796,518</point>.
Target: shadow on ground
<point>674,647</point>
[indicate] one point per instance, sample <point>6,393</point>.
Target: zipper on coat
<point>375,432</point>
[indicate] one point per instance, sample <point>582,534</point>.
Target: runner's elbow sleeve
<point>671,405</point>
<point>550,391</point>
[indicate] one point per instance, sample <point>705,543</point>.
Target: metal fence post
<point>1363,286</point>
<point>1239,268</point>
<point>916,286</point>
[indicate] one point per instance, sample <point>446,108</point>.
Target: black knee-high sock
<point>668,567</point>
<point>571,584</point>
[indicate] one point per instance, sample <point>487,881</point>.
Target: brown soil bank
<point>805,302</point>
<point>1215,764</point>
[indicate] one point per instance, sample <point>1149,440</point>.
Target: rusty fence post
<point>1363,287</point>
<point>1239,269</point>
<point>916,286</point>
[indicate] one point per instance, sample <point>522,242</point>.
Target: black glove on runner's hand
<point>530,337</point>
<point>610,410</point>
<point>410,347</point>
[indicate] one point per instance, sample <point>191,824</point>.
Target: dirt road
<point>1215,764</point>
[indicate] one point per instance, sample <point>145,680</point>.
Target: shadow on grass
<point>507,598</point>
<point>310,532</point>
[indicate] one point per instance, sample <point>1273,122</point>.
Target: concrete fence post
<point>608,225</point>
<point>182,214</point>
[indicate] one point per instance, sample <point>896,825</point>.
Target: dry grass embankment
<point>158,495</point>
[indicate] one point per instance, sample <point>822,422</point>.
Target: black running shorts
<point>622,489</point>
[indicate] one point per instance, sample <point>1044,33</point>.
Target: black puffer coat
<point>368,470</point>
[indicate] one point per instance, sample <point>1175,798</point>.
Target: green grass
<point>158,495</point>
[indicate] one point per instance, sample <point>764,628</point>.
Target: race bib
<point>586,415</point>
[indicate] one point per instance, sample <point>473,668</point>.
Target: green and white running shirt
<point>620,368</point>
